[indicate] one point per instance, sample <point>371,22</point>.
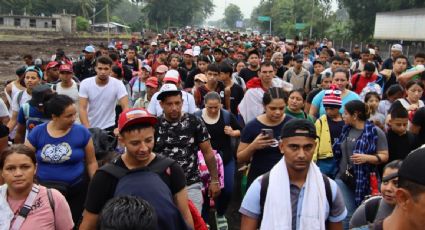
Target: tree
<point>82,24</point>
<point>232,14</point>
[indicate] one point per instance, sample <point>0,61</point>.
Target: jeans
<point>194,193</point>
<point>350,204</point>
<point>223,200</point>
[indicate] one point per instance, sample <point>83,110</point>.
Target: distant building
<point>56,23</point>
<point>113,27</point>
<point>402,25</point>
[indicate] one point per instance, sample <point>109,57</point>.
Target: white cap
<point>372,51</point>
<point>397,47</point>
<point>165,89</point>
<point>196,50</point>
<point>154,43</point>
<point>188,52</point>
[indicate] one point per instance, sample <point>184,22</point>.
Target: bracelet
<point>379,158</point>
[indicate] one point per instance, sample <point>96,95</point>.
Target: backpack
<point>26,110</point>
<point>265,185</point>
<point>103,142</point>
<point>371,208</point>
<point>142,182</point>
<point>354,86</point>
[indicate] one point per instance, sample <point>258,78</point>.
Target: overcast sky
<point>245,5</point>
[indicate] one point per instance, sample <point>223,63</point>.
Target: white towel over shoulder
<point>277,208</point>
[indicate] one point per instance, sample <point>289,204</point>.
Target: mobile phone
<point>268,133</point>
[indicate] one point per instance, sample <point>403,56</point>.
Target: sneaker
<point>221,222</point>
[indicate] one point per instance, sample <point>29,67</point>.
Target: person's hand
<point>262,141</point>
<point>359,159</point>
<point>420,67</point>
<point>228,130</point>
<point>214,189</point>
<point>413,107</point>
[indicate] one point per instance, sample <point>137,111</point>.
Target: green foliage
<point>82,24</point>
<point>286,13</point>
<point>162,14</point>
<point>232,13</point>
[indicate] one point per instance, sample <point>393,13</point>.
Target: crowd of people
<point>151,133</point>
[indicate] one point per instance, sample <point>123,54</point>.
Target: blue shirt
<point>35,118</point>
<point>318,101</point>
<point>60,159</point>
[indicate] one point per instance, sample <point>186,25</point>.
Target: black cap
<point>412,168</point>
<point>161,51</point>
<point>298,57</point>
<point>299,127</point>
<point>39,93</point>
<point>317,62</point>
<point>218,50</point>
<point>20,70</point>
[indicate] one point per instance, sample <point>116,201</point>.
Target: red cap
<point>52,64</point>
<point>66,68</point>
<point>135,116</point>
<point>152,82</point>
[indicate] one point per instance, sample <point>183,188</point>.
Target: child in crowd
<point>393,93</point>
<point>372,99</point>
<point>400,141</point>
<point>328,128</point>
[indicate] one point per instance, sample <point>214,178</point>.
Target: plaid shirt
<point>365,144</point>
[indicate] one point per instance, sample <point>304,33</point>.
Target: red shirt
<point>359,84</point>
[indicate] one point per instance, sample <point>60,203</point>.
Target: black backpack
<point>371,208</point>
<point>265,185</point>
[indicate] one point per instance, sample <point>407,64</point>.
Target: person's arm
<point>207,151</point>
<point>407,76</point>
<point>89,221</point>
<point>248,223</point>
<point>123,101</point>
<point>83,105</point>
<point>90,158</point>
<point>180,200</point>
<point>20,134</point>
<point>13,120</point>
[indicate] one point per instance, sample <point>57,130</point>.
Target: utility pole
<point>107,18</point>
<point>311,21</point>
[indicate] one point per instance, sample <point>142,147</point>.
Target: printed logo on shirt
<point>56,153</point>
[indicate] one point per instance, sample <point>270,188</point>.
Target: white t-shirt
<point>189,105</point>
<point>102,100</point>
<point>71,92</point>
<point>17,104</point>
<point>3,109</point>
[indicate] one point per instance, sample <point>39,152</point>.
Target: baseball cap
<point>317,62</point>
<point>39,93</point>
<point>397,47</point>
<point>161,51</point>
<point>298,57</point>
<point>66,68</point>
<point>152,82</point>
<point>201,77</point>
<point>167,89</point>
<point>20,71</point>
<point>412,168</point>
<point>172,75</point>
<point>147,67</point>
<point>332,98</point>
<point>135,116</point>
<point>52,64</point>
<point>299,127</point>
<point>154,44</point>
<point>161,69</point>
<point>188,52</point>
<point>218,50</point>
<point>89,49</point>
<point>356,46</point>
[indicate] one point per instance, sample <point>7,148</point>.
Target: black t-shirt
<point>182,73</point>
<point>190,80</point>
<point>312,94</point>
<point>246,74</point>
<point>335,128</point>
<point>219,140</point>
<point>4,131</point>
<point>399,146</point>
<point>281,71</point>
<point>102,186</point>
<point>419,120</point>
<point>236,96</point>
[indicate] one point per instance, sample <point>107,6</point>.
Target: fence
<point>409,49</point>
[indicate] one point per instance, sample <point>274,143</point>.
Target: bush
<point>82,24</point>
